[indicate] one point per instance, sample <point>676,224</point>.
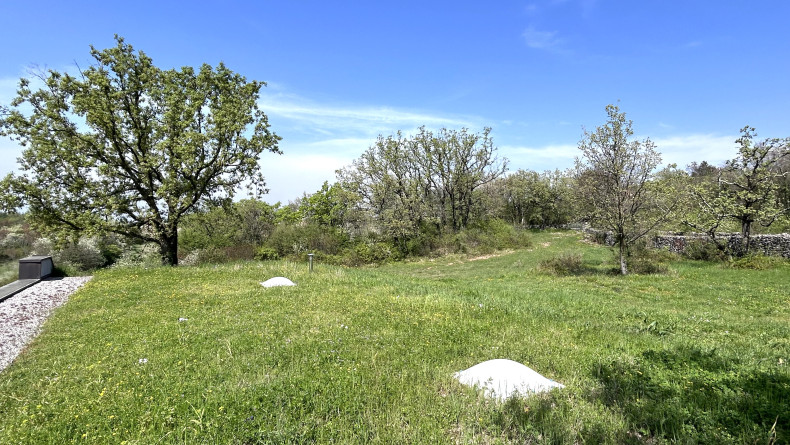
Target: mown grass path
<point>206,355</point>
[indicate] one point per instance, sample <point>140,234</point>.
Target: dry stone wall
<point>771,245</point>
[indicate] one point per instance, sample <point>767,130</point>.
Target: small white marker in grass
<point>502,378</point>
<point>277,281</point>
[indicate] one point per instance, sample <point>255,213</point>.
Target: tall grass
<point>206,355</point>
<point>9,272</point>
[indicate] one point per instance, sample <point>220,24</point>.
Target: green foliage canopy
<point>536,199</point>
<point>746,190</point>
<point>430,179</point>
<point>614,182</point>
<point>129,148</point>
<point>332,206</point>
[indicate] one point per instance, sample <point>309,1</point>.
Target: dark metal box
<point>34,267</point>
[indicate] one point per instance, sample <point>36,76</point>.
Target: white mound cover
<point>502,378</point>
<point>278,281</point>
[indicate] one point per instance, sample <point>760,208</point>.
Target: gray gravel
<point>21,315</point>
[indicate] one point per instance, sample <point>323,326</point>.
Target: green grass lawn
<point>9,272</point>
<point>207,355</point>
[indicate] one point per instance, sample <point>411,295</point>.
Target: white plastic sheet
<point>277,281</point>
<point>502,378</point>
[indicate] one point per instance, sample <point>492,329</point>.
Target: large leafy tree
<point>614,181</point>
<point>129,148</point>
<point>456,163</point>
<point>429,179</point>
<point>392,186</point>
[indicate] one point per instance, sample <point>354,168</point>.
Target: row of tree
<point>626,193</point>
<point>130,149</point>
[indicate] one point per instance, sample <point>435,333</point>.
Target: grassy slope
<point>9,272</point>
<point>367,355</point>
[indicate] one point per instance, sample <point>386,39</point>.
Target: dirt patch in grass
<point>491,255</point>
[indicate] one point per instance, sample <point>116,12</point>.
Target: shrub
<point>15,241</point>
<point>646,266</point>
<point>210,255</point>
<point>756,262</point>
<point>423,244</point>
<point>645,260</point>
<point>74,258</point>
<point>564,264</point>
<point>140,255</point>
<point>239,252</point>
<point>506,236</point>
<point>83,255</point>
<point>602,237</point>
<point>482,238</point>
<point>372,253</point>
<point>290,240</point>
<point>266,254</point>
<point>704,250</point>
<point>111,251</point>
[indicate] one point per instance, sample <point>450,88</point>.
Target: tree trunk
<point>746,236</point>
<point>168,248</point>
<point>623,266</point>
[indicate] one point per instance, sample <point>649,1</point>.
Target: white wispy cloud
<point>679,149</point>
<point>540,158</point>
<point>685,149</point>
<point>329,119</point>
<point>319,138</point>
<point>544,40</point>
<point>299,171</point>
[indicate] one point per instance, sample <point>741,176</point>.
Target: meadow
<point>204,354</point>
<point>9,272</point>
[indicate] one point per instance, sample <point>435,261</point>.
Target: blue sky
<point>689,74</point>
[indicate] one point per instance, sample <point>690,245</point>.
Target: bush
<point>266,254</point>
<point>423,244</point>
<point>74,258</point>
<point>239,252</point>
<point>564,264</point>
<point>84,255</point>
<point>704,250</point>
<point>644,260</point>
<point>646,267</point>
<point>489,236</point>
<point>291,240</point>
<point>139,255</point>
<point>15,241</point>
<point>370,253</point>
<point>482,238</point>
<point>211,255</point>
<point>757,262</point>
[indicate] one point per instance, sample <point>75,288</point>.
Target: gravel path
<point>22,315</point>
